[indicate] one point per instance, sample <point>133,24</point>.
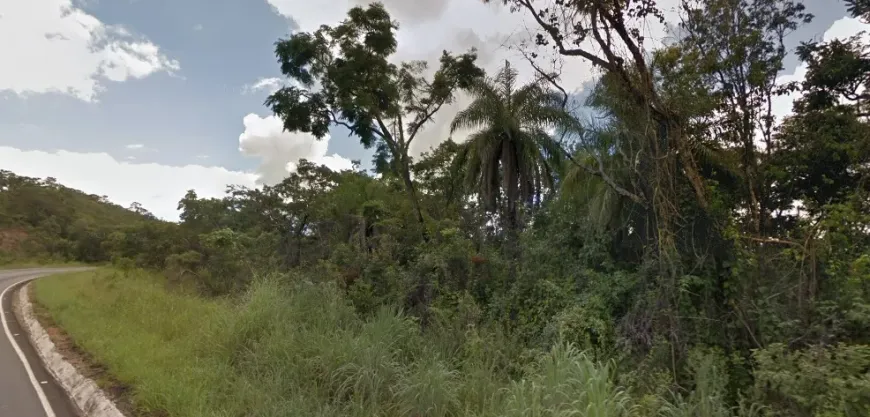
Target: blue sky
<point>195,112</point>
<point>141,100</point>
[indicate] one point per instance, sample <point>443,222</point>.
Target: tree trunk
<point>690,166</point>
<point>511,190</point>
<point>412,194</point>
<point>298,234</point>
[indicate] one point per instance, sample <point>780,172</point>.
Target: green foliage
<point>43,220</point>
<point>510,150</point>
<point>342,75</point>
<point>657,261</point>
<point>818,381</point>
<point>565,382</point>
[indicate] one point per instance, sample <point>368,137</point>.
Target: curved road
<point>26,388</point>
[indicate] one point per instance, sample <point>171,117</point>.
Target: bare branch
<point>553,31</point>
<point>552,78</point>
<point>607,179</point>
<point>427,114</point>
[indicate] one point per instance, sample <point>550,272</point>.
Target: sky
<point>142,100</point>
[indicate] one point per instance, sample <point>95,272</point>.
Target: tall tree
<point>342,75</point>
<point>736,49</point>
<point>510,153</point>
<point>822,151</point>
<point>606,34</point>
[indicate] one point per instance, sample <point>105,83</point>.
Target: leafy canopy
<point>343,75</point>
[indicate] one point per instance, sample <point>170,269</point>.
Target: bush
<point>818,381</point>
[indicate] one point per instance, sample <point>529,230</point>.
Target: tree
<point>734,50</point>
<point>342,75</point>
<point>200,214</point>
<point>290,206</point>
<point>599,31</point>
<point>510,154</point>
<point>439,182</point>
<point>137,208</point>
<point>838,72</point>
<point>602,202</point>
<point>859,8</point>
<point>822,152</point>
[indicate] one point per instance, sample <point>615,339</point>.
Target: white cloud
<point>135,146</point>
<point>279,151</point>
<point>270,85</point>
<point>157,187</point>
<point>51,46</point>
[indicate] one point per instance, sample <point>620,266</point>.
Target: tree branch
<point>551,78</point>
<point>334,119</point>
<point>388,138</point>
<point>619,26</point>
<point>607,179</point>
<point>773,240</point>
<point>557,38</point>
<point>414,127</point>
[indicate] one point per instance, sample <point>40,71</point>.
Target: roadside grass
<point>148,338</point>
<point>301,350</point>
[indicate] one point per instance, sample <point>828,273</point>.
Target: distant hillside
<point>43,220</point>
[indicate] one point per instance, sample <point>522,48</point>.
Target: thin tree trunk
<point>297,260</point>
<point>412,194</point>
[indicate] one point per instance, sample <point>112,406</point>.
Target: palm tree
<point>510,157</point>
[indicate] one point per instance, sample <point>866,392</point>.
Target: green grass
<point>301,350</point>
<point>155,341</point>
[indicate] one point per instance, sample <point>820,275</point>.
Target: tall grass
<point>301,350</point>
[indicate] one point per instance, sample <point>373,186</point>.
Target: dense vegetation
<point>46,222</point>
<point>706,258</point>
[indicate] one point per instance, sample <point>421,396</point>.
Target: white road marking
<point>39,392</point>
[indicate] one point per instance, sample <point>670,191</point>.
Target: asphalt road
<point>26,388</point>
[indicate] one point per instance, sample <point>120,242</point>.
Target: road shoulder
<point>73,371</point>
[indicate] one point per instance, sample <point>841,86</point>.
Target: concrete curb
<point>83,392</point>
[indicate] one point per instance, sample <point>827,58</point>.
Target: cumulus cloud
<point>279,151</point>
<point>157,187</point>
<point>52,46</point>
<point>135,146</point>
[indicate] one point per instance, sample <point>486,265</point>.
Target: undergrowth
<point>295,348</point>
